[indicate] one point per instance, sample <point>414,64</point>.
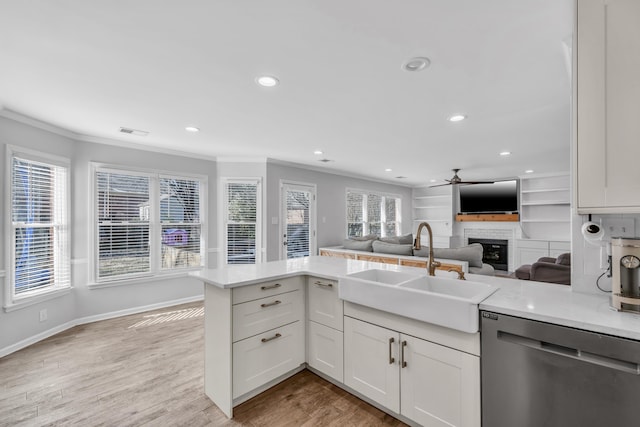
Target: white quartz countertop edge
<point>544,302</point>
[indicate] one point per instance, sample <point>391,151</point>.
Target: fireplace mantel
<point>488,217</point>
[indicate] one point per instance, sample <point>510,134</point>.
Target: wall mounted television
<point>497,197</point>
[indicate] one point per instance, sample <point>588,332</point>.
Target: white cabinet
<point>435,206</point>
<point>545,207</point>
<point>264,357</point>
<point>324,332</point>
<point>607,85</point>
<point>428,383</point>
<point>528,251</point>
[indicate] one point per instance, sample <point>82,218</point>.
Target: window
<point>242,219</point>
<point>39,219</point>
<point>146,223</point>
<point>372,213</point>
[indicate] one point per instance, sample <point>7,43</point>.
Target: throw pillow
<point>407,239</point>
<point>472,254</point>
<point>392,248</point>
<point>359,245</point>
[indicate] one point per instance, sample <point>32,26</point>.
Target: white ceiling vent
<point>134,131</point>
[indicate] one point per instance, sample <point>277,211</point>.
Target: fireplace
<point>495,252</point>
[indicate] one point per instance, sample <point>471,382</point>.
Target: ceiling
<point>92,67</point>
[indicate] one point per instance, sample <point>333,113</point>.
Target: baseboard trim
<point>90,319</point>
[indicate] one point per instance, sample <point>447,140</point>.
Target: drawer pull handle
<point>266,288</point>
<point>326,285</point>
<point>403,362</point>
<point>276,302</point>
<point>391,359</point>
<point>271,339</point>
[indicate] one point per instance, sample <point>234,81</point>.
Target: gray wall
<point>331,203</point>
<point>23,324</point>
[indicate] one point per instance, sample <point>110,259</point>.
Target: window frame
<point>383,214</point>
<point>225,219</point>
<point>12,300</point>
<point>155,225</point>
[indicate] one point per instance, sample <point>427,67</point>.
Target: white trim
<point>36,299</point>
<point>77,261</point>
<point>241,160</point>
<point>143,279</point>
<point>17,117</point>
<point>338,173</point>
<point>83,320</point>
<point>213,250</point>
<point>2,273</point>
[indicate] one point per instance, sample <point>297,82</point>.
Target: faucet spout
<point>431,264</point>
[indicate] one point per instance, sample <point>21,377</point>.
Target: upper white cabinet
<point>545,207</point>
<point>607,84</point>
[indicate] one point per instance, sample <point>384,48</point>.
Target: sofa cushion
<point>363,238</point>
<point>472,254</point>
<point>392,248</point>
<point>358,245</point>
<point>423,251</point>
<point>564,259</point>
<point>407,239</point>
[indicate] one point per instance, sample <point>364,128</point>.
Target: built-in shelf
<point>545,206</point>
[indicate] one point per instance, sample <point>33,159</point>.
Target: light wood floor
<point>147,369</point>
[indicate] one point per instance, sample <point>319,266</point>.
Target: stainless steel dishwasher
<point>543,375</point>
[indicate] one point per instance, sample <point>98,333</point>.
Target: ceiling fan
<point>455,180</point>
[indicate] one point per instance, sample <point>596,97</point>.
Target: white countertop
<point>545,302</point>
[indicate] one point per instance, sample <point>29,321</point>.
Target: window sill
<point>143,279</point>
<point>27,301</point>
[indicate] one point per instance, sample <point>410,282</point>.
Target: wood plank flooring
<point>147,369</point>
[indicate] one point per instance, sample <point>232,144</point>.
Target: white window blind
<point>181,226</point>
<point>242,233</point>
<point>372,213</point>
<point>39,226</point>
<point>123,224</point>
<point>146,223</point>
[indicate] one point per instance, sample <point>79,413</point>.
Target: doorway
<point>297,216</point>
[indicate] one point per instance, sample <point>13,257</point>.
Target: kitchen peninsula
<point>265,322</point>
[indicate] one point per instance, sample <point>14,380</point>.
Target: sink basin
<point>388,277</point>
<point>443,301</point>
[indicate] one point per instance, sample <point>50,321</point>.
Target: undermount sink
<point>443,301</point>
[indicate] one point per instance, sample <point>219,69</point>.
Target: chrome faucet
<point>431,264</point>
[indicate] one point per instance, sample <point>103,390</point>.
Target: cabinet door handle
<point>266,288</point>
<point>391,359</point>
<point>276,302</point>
<point>271,339</point>
<point>403,362</point>
<point>326,285</point>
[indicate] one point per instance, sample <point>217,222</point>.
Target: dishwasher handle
<point>573,353</point>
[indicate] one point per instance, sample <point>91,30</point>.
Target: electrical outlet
<point>622,227</point>
<point>43,314</point>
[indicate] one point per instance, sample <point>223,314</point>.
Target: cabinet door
<point>326,350</point>
<point>325,306</point>
<point>371,362</point>
<point>608,89</point>
<point>439,386</point>
<point>264,357</point>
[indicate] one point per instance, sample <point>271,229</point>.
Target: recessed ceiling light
<point>432,180</point>
<point>192,129</point>
<point>529,171</point>
<point>418,63</point>
<point>267,81</point>
<point>505,153</point>
<point>318,153</point>
<point>388,170</point>
<point>457,118</point>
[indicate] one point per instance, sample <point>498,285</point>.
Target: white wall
<point>331,203</point>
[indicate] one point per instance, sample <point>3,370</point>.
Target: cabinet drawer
<point>260,359</point>
<point>254,317</point>
<point>325,306</point>
<point>326,350</point>
<point>266,289</point>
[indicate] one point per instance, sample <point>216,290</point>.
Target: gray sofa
<point>403,245</point>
